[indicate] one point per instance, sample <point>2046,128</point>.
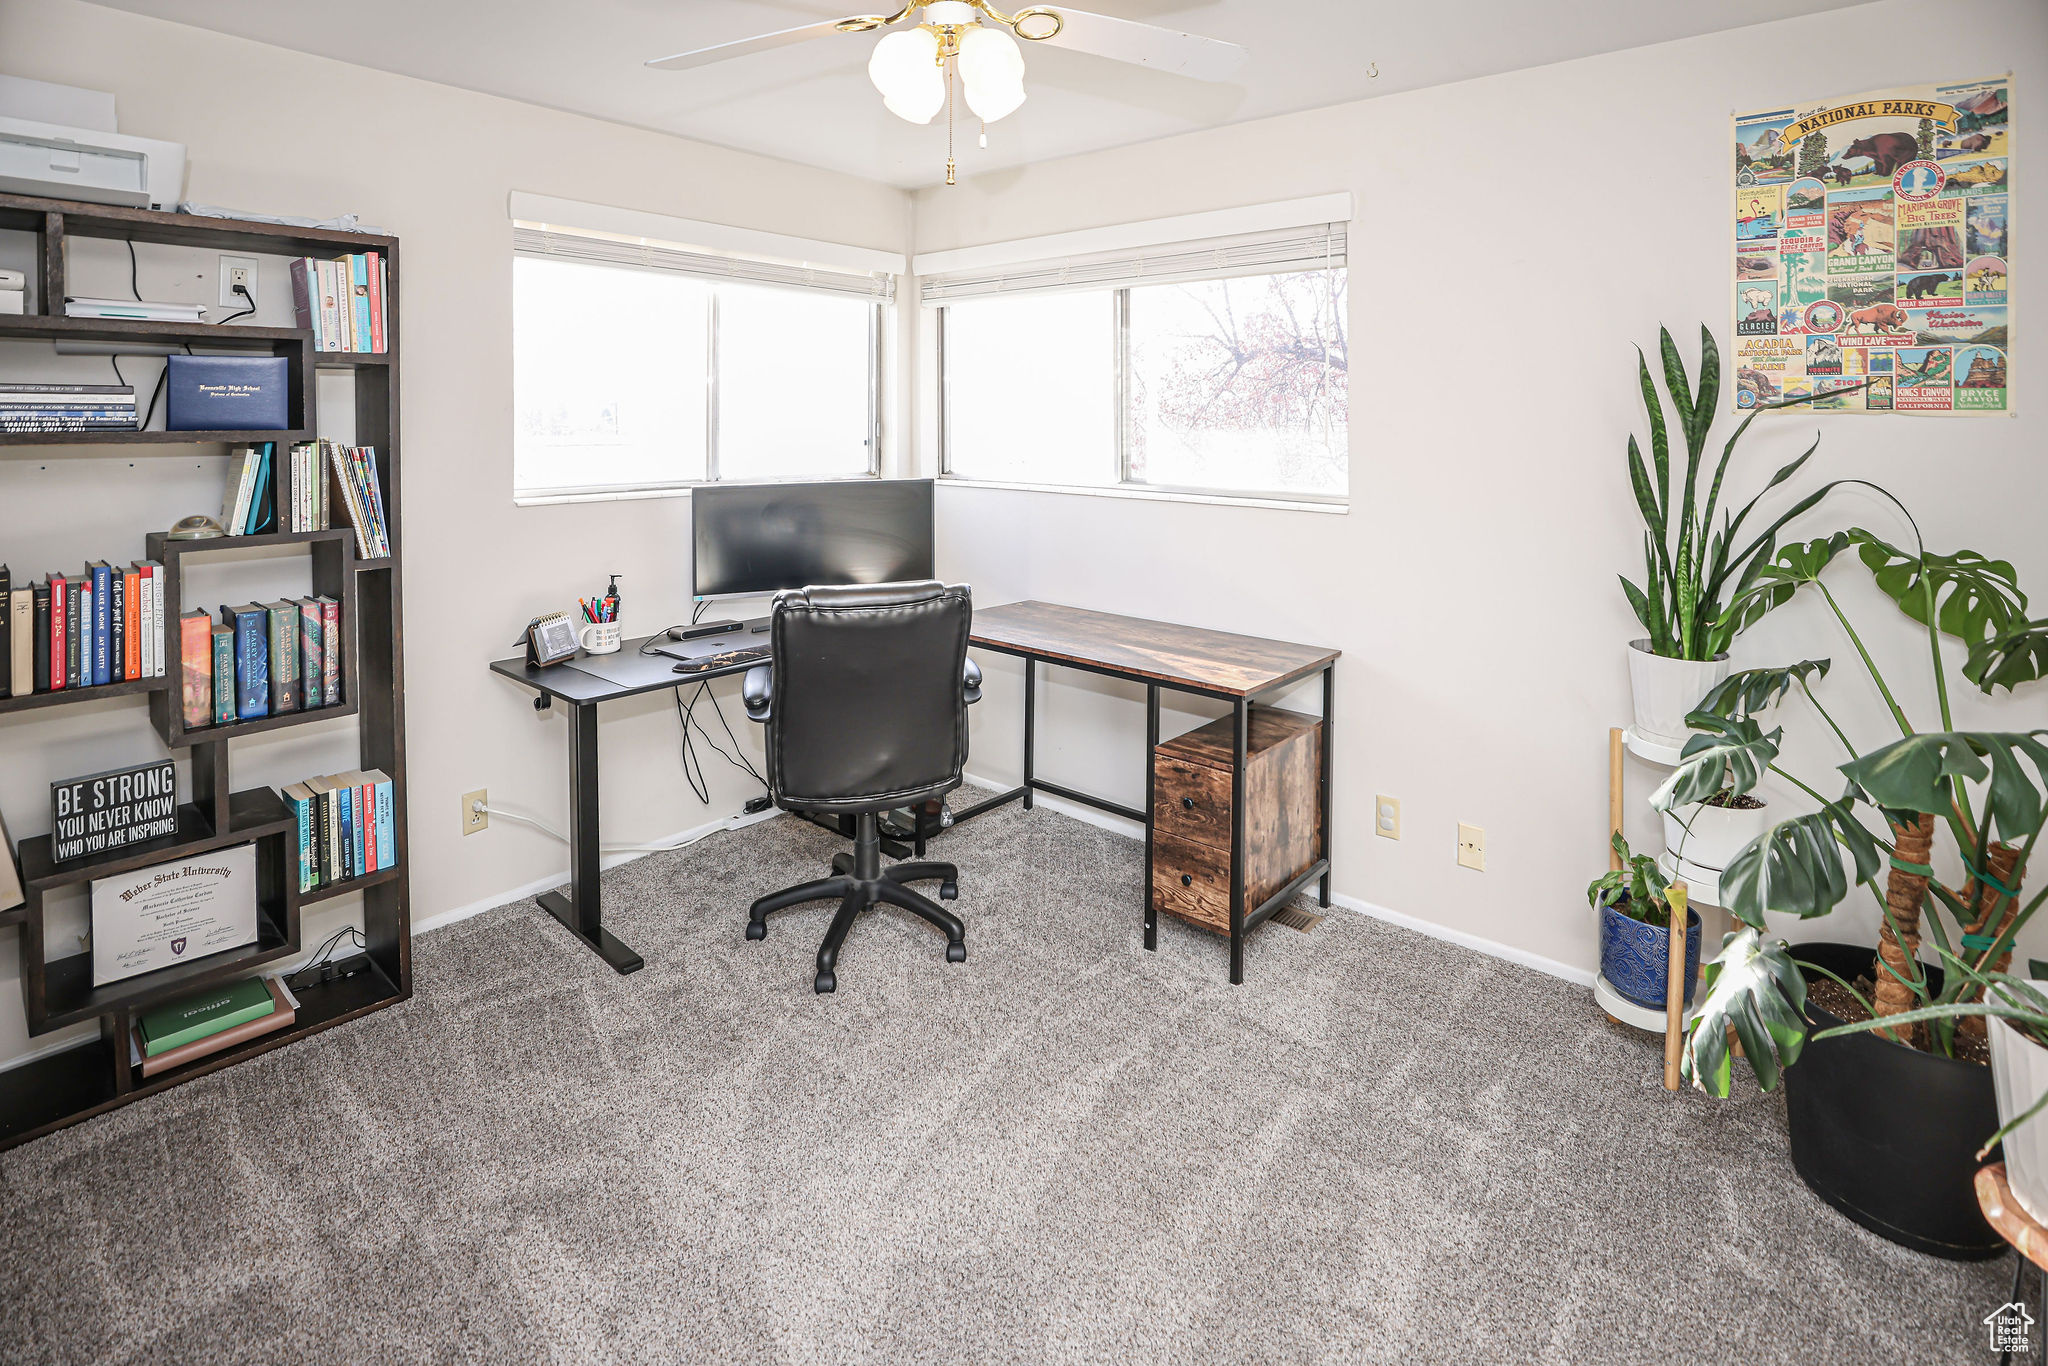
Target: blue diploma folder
<point>228,394</point>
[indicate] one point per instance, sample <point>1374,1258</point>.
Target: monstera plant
<point>1884,1124</point>
<point>1978,794</point>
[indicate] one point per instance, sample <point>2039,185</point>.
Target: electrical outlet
<point>1387,817</point>
<point>1471,847</point>
<point>237,270</point>
<point>474,819</point>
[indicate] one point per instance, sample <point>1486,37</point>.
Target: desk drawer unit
<point>1190,873</point>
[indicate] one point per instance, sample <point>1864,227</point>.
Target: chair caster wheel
<point>949,891</point>
<point>756,930</point>
<point>826,982</point>
<point>956,953</point>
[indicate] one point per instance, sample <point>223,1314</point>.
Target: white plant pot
<point>1667,689</point>
<point>1715,835</point>
<point>2019,1071</point>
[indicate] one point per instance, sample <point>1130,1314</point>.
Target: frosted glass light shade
<point>992,68</point>
<point>905,68</point>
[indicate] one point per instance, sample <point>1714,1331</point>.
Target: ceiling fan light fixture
<point>905,69</point>
<point>992,68</point>
<point>956,13</point>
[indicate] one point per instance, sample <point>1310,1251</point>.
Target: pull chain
<point>952,177</point>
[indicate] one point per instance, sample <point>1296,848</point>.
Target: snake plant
<point>1699,579</point>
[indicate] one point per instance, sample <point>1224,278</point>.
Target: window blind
<point>534,239</point>
<point>1267,253</point>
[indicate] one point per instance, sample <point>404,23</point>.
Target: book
<point>252,659</point>
<point>206,1013</point>
<point>222,653</point>
<point>259,518</point>
<point>386,821</point>
<point>6,630</point>
<point>153,663</point>
<point>83,618</point>
<point>324,827</point>
<point>21,611</point>
<point>330,306</point>
<point>330,650</point>
<point>133,621</point>
<point>285,1013</point>
<point>241,485</point>
<point>361,841</point>
<point>305,297</point>
<point>299,798</point>
<point>284,656</point>
<point>117,626</point>
<point>39,605</point>
<point>195,664</point>
<point>376,273</point>
<point>312,665</point>
<point>73,592</point>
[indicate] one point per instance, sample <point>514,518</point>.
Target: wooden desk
<point>1233,668</point>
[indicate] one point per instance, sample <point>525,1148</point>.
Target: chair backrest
<point>870,711</point>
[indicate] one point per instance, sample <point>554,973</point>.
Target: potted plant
<point>1635,930</point>
<point>1698,578</point>
<point>2016,1014</point>
<point>1885,1125</point>
<point>1707,820</point>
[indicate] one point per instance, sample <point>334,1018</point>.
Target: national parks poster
<point>1871,254</point>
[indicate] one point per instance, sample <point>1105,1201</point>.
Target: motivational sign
<point>1872,251</point>
<point>112,810</point>
<point>173,912</point>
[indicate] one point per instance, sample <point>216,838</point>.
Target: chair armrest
<point>970,680</point>
<point>757,690</point>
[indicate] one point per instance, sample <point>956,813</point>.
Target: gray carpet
<point>1381,1149</point>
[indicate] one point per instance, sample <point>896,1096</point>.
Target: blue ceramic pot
<point>1634,957</point>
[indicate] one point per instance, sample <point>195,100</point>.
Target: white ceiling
<point>812,103</point>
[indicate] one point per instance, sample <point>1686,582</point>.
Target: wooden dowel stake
<point>1674,986</point>
<point>1613,796</point>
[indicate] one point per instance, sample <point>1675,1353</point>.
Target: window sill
<point>533,500</point>
<point>1340,507</point>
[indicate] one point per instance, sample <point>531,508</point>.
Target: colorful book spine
<point>359,300</point>
<point>299,798</point>
<point>376,274</point>
<point>102,580</point>
<point>331,646</point>
<point>195,664</point>
<point>117,626</point>
<point>330,306</point>
<point>312,666</point>
<point>134,617</point>
<point>153,632</point>
<point>358,831</point>
<point>387,836</point>
<point>39,606</point>
<point>252,660</point>
<point>22,607</point>
<point>223,655</point>
<point>284,656</point>
<point>345,824</point>
<point>305,291</point>
<point>63,601</point>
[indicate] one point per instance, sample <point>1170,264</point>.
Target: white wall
<point>279,132</point>
<point>1515,236</point>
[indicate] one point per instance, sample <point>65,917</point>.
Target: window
<point>639,367</point>
<point>1209,368</point>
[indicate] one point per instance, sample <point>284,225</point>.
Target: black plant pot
<point>1888,1134</point>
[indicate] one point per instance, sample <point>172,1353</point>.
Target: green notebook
<point>195,1017</point>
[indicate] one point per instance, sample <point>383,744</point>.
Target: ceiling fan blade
<point>767,42</point>
<point>1148,45</point>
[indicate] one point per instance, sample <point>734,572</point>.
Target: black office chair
<point>866,706</point>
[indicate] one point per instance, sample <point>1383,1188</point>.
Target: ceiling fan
<point>971,42</point>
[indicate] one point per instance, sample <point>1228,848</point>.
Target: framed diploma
<point>173,912</point>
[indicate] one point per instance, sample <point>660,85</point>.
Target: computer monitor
<point>757,538</point>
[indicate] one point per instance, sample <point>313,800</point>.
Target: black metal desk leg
<point>581,911</point>
<point>1329,710</point>
<point>1030,722</point>
<point>1151,774</point>
<point>1240,740</point>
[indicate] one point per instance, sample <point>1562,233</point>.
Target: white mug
<point>599,637</point>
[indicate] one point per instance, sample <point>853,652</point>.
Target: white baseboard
<point>554,880</point>
<point>1117,825</point>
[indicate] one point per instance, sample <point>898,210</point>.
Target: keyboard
<point>725,659</point>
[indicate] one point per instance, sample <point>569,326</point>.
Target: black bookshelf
<point>64,1087</point>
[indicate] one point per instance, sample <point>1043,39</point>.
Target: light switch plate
<point>1387,817</point>
<point>1471,847</point>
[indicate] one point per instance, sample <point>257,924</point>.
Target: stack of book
<point>178,1033</point>
<point>341,301</point>
<point>66,407</point>
<point>260,659</point>
<point>357,486</point>
<point>105,625</point>
<point>307,509</point>
<point>246,504</point>
<point>345,826</point>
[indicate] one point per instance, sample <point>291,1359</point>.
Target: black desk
<point>632,673</point>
